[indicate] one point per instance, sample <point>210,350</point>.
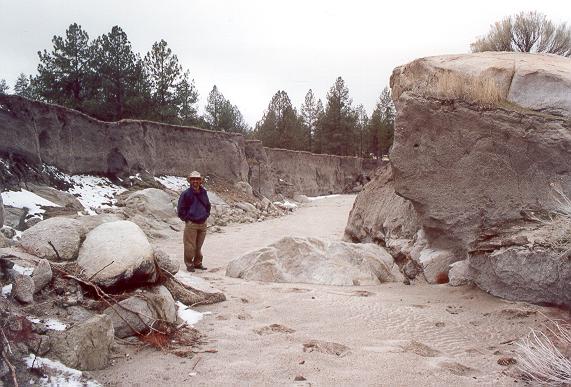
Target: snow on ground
<point>312,198</point>
<point>23,270</point>
<point>26,199</point>
<point>6,290</point>
<point>190,316</point>
<point>286,205</point>
<point>176,183</point>
<point>94,192</point>
<point>62,375</point>
<point>50,323</point>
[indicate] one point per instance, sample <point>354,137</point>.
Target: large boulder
<point>85,346</point>
<point>152,209</point>
<point>90,222</point>
<point>65,234</point>
<point>141,311</point>
<point>15,218</point>
<point>317,261</point>
<point>117,254</point>
<point>482,143</point>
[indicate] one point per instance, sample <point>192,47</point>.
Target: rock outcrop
<point>281,171</point>
<point>316,261</point>
<point>117,255</point>
<point>481,153</point>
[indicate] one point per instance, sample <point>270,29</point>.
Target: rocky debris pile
<point>104,282</point>
<point>480,171</point>
<point>316,261</point>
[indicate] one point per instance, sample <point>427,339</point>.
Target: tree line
<point>106,79</point>
<point>337,128</point>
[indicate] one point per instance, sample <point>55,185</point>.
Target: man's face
<point>195,183</point>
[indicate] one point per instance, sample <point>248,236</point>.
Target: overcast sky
<point>251,49</point>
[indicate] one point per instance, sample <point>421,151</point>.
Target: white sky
<point>251,49</point>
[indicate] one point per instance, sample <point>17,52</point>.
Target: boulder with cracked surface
<point>316,261</point>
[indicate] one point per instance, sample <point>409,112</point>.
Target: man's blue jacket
<point>194,206</point>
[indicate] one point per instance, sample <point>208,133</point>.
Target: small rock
<point>23,288</point>
<point>165,262</point>
<point>299,378</point>
<point>8,232</point>
<point>42,275</point>
<point>86,346</point>
<point>506,361</point>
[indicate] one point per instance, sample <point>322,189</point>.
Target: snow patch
<point>94,192</point>
<point>175,183</point>
<point>190,316</point>
<point>62,375</point>
<point>50,323</point>
<point>27,199</point>
<point>7,290</point>
<point>286,205</point>
<point>23,270</point>
<point>323,197</point>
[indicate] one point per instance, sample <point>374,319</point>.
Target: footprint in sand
<point>273,328</point>
<point>327,347</point>
<point>420,349</point>
<point>456,368</point>
<point>244,316</point>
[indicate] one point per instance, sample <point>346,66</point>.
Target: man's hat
<point>194,175</point>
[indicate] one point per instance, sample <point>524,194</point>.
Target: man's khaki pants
<point>193,238</point>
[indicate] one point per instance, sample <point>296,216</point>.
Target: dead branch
<point>189,295</point>
<point>12,369</point>
<point>100,270</point>
<point>55,250</point>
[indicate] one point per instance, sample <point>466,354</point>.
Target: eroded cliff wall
<point>280,171</point>
<point>76,143</point>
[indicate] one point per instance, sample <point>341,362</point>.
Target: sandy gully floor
<point>391,334</point>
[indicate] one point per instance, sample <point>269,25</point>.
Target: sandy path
<point>395,334</point>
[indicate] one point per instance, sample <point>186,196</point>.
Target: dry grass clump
<point>544,356</point>
<point>474,89</point>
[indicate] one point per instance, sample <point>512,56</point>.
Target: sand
<point>391,334</point>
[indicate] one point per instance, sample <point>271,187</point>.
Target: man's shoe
<point>200,267</point>
<point>191,269</point>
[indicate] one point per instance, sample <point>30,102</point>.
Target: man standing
<point>194,209</point>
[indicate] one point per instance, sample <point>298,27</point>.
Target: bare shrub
<point>526,32</point>
<point>544,356</point>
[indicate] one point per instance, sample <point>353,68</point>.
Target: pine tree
<point>281,127</point>
<point>361,120</point>
<point>309,115</point>
<point>214,105</point>
<point>338,125</point>
<point>115,64</point>
<point>24,87</point>
<point>186,98</point>
<point>164,73</point>
<point>318,136</point>
<point>65,75</point>
<point>4,88</point>
<point>381,125</point>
